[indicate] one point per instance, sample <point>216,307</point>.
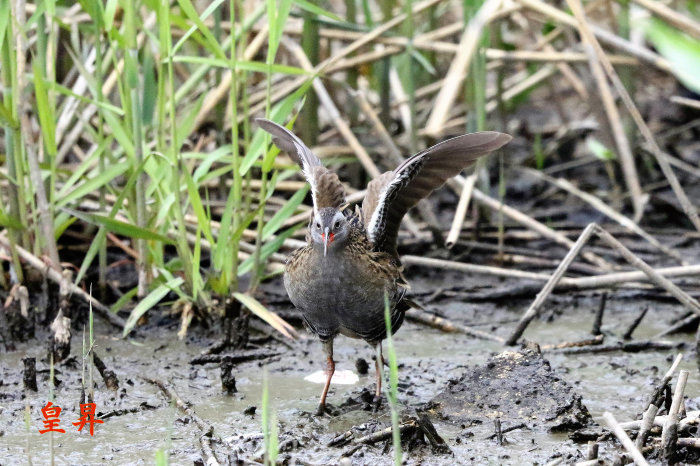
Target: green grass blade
<point>261,311</point>
<point>153,298</point>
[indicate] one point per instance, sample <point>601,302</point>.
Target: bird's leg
<point>330,369</point>
<point>379,368</point>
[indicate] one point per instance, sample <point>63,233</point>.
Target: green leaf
<point>203,221</point>
<point>44,110</point>
<point>267,250</point>
<point>261,311</point>
<point>312,8</point>
<point>191,13</point>
<point>680,49</point>
<point>150,91</point>
<point>149,301</point>
<point>8,221</point>
<point>599,150</point>
<point>93,184</point>
<point>119,227</point>
<point>284,213</point>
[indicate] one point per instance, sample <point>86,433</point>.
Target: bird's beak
<point>325,241</point>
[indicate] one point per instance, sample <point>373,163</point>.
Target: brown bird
<point>340,278</point>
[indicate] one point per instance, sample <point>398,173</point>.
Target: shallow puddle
<point>616,382</point>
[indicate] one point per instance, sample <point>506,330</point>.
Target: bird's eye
<point>337,225</point>
<point>318,225</point>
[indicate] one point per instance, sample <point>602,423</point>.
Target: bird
<point>350,265</point>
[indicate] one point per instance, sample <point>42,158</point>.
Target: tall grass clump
<point>105,131</point>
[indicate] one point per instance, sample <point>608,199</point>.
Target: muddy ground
<point>138,420</point>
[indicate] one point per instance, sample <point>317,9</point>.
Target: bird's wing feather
<point>326,189</point>
<point>417,177</point>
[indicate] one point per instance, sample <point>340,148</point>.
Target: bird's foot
<point>376,403</point>
<point>325,410</point>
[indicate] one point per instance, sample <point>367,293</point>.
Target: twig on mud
<point>669,435</point>
<point>597,340</point>
<point>56,277</point>
<point>549,286</point>
<point>235,358</point>
<point>108,375</point>
<point>417,315</point>
<point>633,326</point>
<point>627,347</point>
<point>624,439</point>
<point>686,321</point>
<point>437,443</point>
<point>522,425</point>
<point>385,434</point>
<point>598,321</point>
<point>206,430</point>
<point>655,403</point>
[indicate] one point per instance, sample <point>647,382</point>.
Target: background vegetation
<point>128,138</point>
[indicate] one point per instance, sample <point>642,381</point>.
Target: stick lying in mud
<point>628,347</point>
<point>624,439</point>
<point>56,277</point>
<point>206,429</point>
<point>669,435</point>
<point>234,358</point>
<point>654,276</point>
<point>416,315</point>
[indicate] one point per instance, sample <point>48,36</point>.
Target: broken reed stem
<point>461,211</point>
<point>549,286</point>
<point>669,434</point>
<point>624,439</point>
<point>206,429</point>
<point>654,404</point>
<point>656,278</point>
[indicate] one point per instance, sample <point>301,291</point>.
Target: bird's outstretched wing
<point>392,194</point>
<point>326,189</point>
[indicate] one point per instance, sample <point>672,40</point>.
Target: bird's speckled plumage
<point>347,296</point>
<point>341,278</point>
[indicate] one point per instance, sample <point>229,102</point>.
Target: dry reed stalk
<point>333,111</point>
<point>459,66</point>
<point>542,296</point>
<point>682,22</point>
<point>609,38</point>
<point>624,150</point>
<point>528,222</point>
<point>603,208</point>
<point>688,301</point>
<point>461,211</point>
<point>222,90</point>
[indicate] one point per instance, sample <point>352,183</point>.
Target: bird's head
<point>329,228</point>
